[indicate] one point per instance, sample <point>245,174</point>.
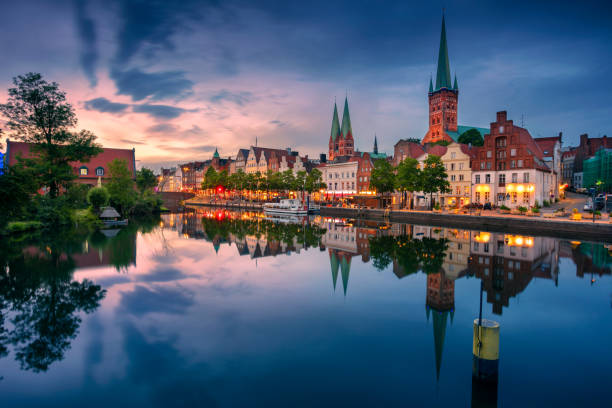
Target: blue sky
<point>176,80</point>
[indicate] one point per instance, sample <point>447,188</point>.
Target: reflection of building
<point>507,263</point>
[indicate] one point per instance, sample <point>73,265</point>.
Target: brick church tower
<point>443,98</point>
<point>341,141</point>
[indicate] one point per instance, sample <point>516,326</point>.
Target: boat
<point>314,208</point>
<point>286,206</point>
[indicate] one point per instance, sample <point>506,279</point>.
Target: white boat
<point>286,206</point>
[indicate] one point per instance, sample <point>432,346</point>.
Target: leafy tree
<point>210,178</point>
<point>441,142</point>
<point>222,178</point>
<point>434,177</point>
<point>383,177</point>
<point>300,181</point>
<point>413,140</point>
<point>17,185</point>
<point>121,186</point>
<point>472,136</point>
<point>288,180</point>
<point>37,112</point>
<point>145,180</point>
<point>408,177</point>
<point>314,181</point>
<point>97,197</point>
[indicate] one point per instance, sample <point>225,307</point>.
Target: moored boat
<point>286,206</point>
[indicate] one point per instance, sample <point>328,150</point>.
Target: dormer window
<point>100,171</point>
<point>83,171</point>
<point>501,129</point>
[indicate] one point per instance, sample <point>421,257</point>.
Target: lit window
<point>83,171</point>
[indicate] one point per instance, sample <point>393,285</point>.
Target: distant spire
<point>345,270</point>
<point>346,121</point>
<point>443,78</point>
<point>335,129</point>
<point>455,87</point>
<point>430,85</point>
<point>216,155</point>
<point>334,268</point>
<point>439,326</point>
<point>375,151</point>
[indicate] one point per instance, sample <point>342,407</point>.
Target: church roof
<point>216,155</point>
<point>443,76</point>
<point>461,129</point>
<point>346,121</point>
<point>335,129</point>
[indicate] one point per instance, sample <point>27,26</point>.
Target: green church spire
<point>334,268</point>
<point>216,155</point>
<point>430,85</point>
<point>335,129</point>
<point>346,120</point>
<point>345,270</point>
<point>455,87</point>
<point>439,326</point>
<point>443,77</point>
<point>375,151</point>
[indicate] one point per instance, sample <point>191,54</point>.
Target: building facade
<point>509,169</point>
<point>457,162</point>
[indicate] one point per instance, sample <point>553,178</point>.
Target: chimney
<point>502,116</point>
<point>584,139</point>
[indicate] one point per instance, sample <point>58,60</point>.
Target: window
<point>512,152</point>
<point>488,165</point>
<point>452,166</point>
<point>515,177</point>
<point>461,177</point>
<point>460,166</point>
<point>452,177</point>
<point>487,178</point>
<point>489,154</point>
<point>83,171</point>
<point>512,164</point>
<point>458,190</point>
<point>525,177</point>
<point>453,154</point>
<point>478,196</point>
<point>477,179</point>
<point>501,129</point>
<point>486,196</point>
<point>525,197</point>
<point>467,190</point>
<point>482,165</point>
<point>476,246</point>
<point>520,163</point>
<point>99,171</point>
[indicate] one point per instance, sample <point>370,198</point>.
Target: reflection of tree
<point>222,227</point>
<point>411,255</point>
<point>36,290</point>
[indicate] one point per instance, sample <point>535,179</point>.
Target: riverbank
<point>598,231</point>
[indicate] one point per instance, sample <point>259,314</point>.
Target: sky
<point>175,80</point>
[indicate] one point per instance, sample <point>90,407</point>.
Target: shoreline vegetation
<point>41,192</point>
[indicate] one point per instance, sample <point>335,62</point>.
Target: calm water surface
<point>230,309</point>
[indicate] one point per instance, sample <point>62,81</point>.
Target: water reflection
<point>204,303</point>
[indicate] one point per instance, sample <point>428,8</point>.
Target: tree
<point>314,181</point>
<point>145,180</point>
<point>37,113</point>
<point>408,177</point>
<point>471,136</point>
<point>97,197</point>
<point>383,177</point>
<point>121,186</point>
<point>288,180</point>
<point>434,177</point>
<point>300,181</point>
<point>210,178</point>
<point>413,140</point>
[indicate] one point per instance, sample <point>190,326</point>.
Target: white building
<point>341,178</point>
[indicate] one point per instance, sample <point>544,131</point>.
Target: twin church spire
<point>341,141</point>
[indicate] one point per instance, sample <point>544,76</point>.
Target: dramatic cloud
<point>159,111</point>
<point>240,98</point>
<point>106,106</point>
<point>158,85</point>
<point>87,34</point>
<point>144,300</point>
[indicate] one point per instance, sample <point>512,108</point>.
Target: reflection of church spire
<point>345,270</point>
<point>439,326</point>
<point>334,267</point>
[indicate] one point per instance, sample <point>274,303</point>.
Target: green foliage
<point>145,180</point>
<point>504,207</point>
<point>437,206</point>
<point>147,204</point>
<point>120,186</point>
<point>413,140</point>
<point>76,195</point>
<point>314,181</point>
<point>536,204</point>
<point>16,188</point>
<point>535,210</point>
<point>472,136</point>
<point>52,212</point>
<point>37,112</point>
<point>441,142</point>
<point>522,209</point>
<point>411,255</point>
<point>84,218</point>
<point>98,197</point>
<point>546,203</point>
<point>210,178</point>
<point>383,177</point>
<point>434,178</point>
<point>408,175</point>
<point>21,226</point>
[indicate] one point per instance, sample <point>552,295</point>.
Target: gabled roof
<point>414,150</point>
<point>547,144</point>
<point>436,150</point>
<point>243,152</point>
<point>268,152</point>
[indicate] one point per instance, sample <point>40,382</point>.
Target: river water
<point>218,308</point>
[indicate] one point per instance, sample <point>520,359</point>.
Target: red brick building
<point>86,172</point>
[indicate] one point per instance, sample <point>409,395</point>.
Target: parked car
<point>588,206</point>
<point>599,202</point>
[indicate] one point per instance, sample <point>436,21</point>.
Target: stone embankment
<point>562,228</point>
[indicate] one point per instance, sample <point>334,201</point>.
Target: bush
<point>437,206</point>
<point>148,204</point>
<point>97,197</point>
<point>20,226</point>
<point>546,203</point>
<point>522,209</point>
<point>52,212</point>
<point>85,218</point>
<point>503,207</point>
<point>535,210</point>
<point>76,195</point>
<point>536,204</point>
<point>597,212</point>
